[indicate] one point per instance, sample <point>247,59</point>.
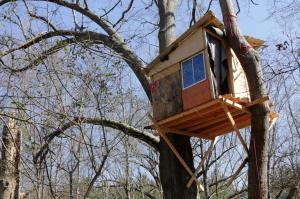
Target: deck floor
<point>208,120</point>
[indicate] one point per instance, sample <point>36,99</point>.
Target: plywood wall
<point>240,84</point>
<point>167,96</point>
<point>188,47</point>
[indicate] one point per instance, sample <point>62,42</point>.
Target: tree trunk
<point>250,61</point>
<point>10,160</point>
<point>172,174</point>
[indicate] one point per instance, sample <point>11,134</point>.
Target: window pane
<point>187,72</point>
<point>199,72</point>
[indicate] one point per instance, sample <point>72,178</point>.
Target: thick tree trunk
<point>173,176</point>
<point>250,61</point>
<point>10,160</point>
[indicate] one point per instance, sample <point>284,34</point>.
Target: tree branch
<point>134,62</point>
<point>148,138</point>
<point>123,14</point>
<point>131,58</point>
<point>44,55</point>
<point>88,35</point>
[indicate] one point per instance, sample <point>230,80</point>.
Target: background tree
<point>81,107</point>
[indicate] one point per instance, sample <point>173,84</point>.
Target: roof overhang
<point>208,19</point>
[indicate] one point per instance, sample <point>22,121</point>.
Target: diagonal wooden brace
<point>236,129</point>
<point>174,150</point>
<point>207,153</point>
<point>238,171</point>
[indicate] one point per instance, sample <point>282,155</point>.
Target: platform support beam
<point>174,150</point>
<point>236,129</point>
<point>207,153</point>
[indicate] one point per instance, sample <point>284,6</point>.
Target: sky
<point>254,20</point>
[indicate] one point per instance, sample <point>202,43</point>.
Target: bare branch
<point>87,35</point>
<point>33,15</point>
<point>44,55</point>
<point>113,7</point>
<point>123,14</point>
<point>148,138</point>
<point>209,5</point>
<point>134,62</point>
<point>193,19</point>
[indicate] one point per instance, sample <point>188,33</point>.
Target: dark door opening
<point>218,64</point>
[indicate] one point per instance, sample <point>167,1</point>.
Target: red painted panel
<point>196,95</point>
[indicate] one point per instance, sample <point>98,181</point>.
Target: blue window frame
<point>193,70</point>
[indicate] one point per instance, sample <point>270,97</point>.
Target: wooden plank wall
<point>196,95</point>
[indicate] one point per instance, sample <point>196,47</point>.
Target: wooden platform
<point>208,120</point>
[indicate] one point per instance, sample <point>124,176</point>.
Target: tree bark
<point>250,61</point>
<point>172,174</point>
<point>10,160</point>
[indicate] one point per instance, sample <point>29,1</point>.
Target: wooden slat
<point>213,121</point>
<point>225,127</point>
<point>208,120</point>
<point>208,152</point>
<point>186,133</point>
<point>198,117</point>
<point>187,113</point>
<point>240,118</point>
<point>221,131</point>
<point>213,105</point>
<point>236,129</point>
<point>221,125</point>
<point>231,103</point>
<point>258,101</point>
<point>241,101</point>
<point>179,132</point>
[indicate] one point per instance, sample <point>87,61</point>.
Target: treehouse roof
<point>208,19</point>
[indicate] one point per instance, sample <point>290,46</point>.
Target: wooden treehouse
<point>199,88</point>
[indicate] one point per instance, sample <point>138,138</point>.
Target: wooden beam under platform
<point>162,134</point>
<point>208,121</point>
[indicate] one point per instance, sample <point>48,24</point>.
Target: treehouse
<point>199,88</point>
<point>197,80</point>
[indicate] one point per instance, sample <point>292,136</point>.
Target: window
<point>193,70</point>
